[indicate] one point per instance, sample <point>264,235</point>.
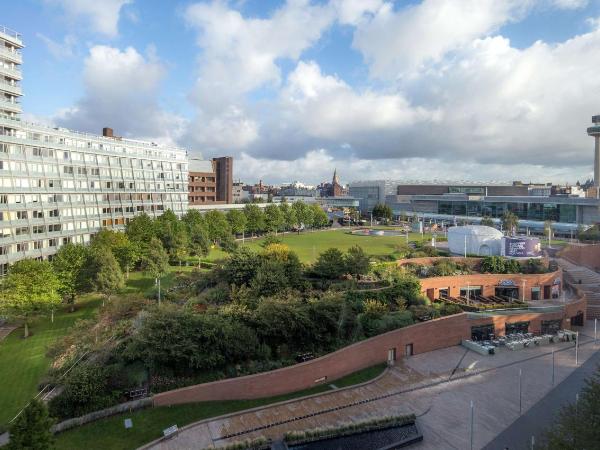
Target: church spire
<point>336,180</point>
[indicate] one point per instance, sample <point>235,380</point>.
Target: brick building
<point>211,181</point>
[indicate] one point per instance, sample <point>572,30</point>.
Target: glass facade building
<point>59,186</point>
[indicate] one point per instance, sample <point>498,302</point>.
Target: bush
<point>86,388</point>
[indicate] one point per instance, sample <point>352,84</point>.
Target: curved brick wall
<point>425,337</point>
<point>587,255</point>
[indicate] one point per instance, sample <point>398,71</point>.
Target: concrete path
<point>533,423</point>
<point>437,386</point>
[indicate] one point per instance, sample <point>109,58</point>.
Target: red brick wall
<point>431,286</point>
<point>425,337</point>
<point>583,255</point>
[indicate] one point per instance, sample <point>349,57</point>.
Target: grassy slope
<point>148,424</point>
<point>23,362</point>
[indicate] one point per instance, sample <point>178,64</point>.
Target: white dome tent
<point>478,240</point>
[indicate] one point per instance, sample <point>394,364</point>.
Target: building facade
<point>211,181</point>
<point>59,186</point>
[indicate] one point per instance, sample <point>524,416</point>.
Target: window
<point>23,247</point>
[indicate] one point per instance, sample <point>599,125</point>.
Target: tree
<point>31,287</point>
<point>180,243</point>
<point>199,240</point>
<point>382,211</point>
<point>273,218</point>
<point>108,279</point>
<point>237,221</point>
<point>140,229</point>
<point>31,430</point>
<point>304,214</point>
<point>255,218</point>
<point>487,221</point>
<point>240,268</point>
<point>319,217</point>
<point>510,223</point>
<point>69,265</point>
<point>128,255</point>
<point>357,261</point>
<point>577,424</point>
<point>289,216</point>
<point>155,261</point>
<point>217,225</point>
<point>330,264</point>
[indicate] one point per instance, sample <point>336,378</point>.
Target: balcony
<point>10,88</point>
<point>10,72</point>
<point>11,55</point>
<point>11,36</point>
<point>9,105</point>
<point>594,131</point>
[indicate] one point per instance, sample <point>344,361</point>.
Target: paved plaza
<point>437,386</point>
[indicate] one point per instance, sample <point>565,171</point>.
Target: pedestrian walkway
<point>587,281</point>
<point>531,426</point>
<point>437,386</point>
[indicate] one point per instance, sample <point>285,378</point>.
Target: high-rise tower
<point>595,131</point>
<point>10,72</point>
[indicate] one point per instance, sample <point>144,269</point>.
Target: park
<point>174,303</point>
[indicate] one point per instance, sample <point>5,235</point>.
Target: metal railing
<point>15,54</point>
<point>11,33</point>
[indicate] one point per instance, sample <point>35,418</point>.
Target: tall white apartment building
<point>59,186</point>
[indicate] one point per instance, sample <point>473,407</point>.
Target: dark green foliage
<point>591,234</point>
<point>255,219</point>
<point>535,266</point>
<point>357,261</point>
<point>270,239</point>
<point>578,426</point>
<point>498,264</point>
<point>241,266</point>
<point>87,388</point>
<point>373,325</point>
<point>185,341</point>
<point>108,278</point>
<point>140,229</point>
<point>382,211</point>
<point>284,322</point>
<point>69,265</point>
<point>31,430</point>
<point>331,264</point>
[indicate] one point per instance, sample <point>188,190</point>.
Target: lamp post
<point>520,392</point>
<point>523,294</point>
<point>471,428</point>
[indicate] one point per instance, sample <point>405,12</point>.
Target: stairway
<point>587,281</point>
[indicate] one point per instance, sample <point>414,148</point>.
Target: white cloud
<point>121,88</point>
<point>240,54</point>
<point>59,50</point>
<point>318,165</point>
<point>570,4</point>
<point>101,15</point>
<point>397,43</point>
<point>351,12</point>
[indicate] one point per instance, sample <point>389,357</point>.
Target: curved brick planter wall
<point>424,337</point>
<point>431,286</point>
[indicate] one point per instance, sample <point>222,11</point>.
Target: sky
<point>479,90</point>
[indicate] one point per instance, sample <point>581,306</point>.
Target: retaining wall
<point>587,255</point>
<point>424,337</point>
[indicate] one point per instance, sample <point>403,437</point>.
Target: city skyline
<point>377,89</point>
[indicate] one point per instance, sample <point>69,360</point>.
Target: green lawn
<point>139,282</point>
<point>23,362</point>
<point>148,424</point>
<point>308,245</point>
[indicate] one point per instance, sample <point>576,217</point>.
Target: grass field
<point>148,424</point>
<point>308,245</point>
<point>23,362</point>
